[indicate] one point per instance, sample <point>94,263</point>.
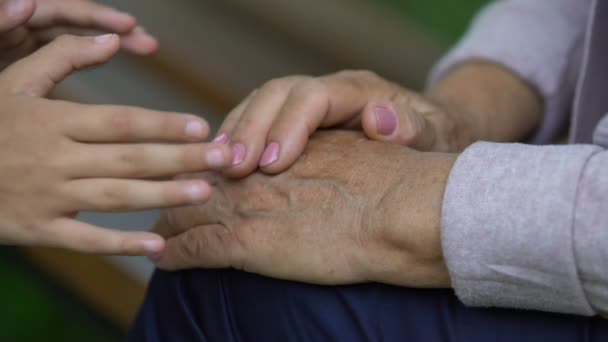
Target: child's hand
<point>58,158</point>
<point>270,128</point>
<point>25,25</point>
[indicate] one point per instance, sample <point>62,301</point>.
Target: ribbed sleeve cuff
<point>507,226</point>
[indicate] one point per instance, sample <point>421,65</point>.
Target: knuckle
<point>121,121</point>
<point>132,157</point>
<point>114,198</point>
<point>66,39</point>
<point>311,88</point>
<point>276,86</point>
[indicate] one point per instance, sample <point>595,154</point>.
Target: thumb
<point>400,120</point>
<point>14,13</point>
<point>38,73</point>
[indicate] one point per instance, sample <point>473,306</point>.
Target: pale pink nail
<point>386,120</point>
<point>152,246</point>
<point>104,38</point>
<point>271,154</point>
<point>222,138</point>
<point>14,7</point>
<point>215,158</point>
<point>238,153</point>
<point>194,129</point>
<point>195,193</point>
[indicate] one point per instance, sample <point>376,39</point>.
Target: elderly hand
<point>349,210</point>
<point>25,25</point>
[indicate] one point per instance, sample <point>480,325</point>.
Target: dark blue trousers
<point>229,305</point>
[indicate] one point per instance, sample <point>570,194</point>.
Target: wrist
<point>487,102</point>
<point>407,221</point>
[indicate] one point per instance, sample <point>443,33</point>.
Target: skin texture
<point>25,25</point>
<point>476,101</point>
<point>349,210</point>
<point>59,158</point>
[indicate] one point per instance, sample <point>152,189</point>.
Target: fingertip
<point>154,244</point>
<point>197,191</point>
<point>270,154</point>
<point>117,21</point>
<point>15,13</point>
<point>139,42</point>
<point>196,129</point>
<point>218,156</point>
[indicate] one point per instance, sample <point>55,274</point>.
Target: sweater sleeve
<point>540,41</point>
<point>526,226</point>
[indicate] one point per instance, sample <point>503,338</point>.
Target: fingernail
<point>139,29</point>
<point>14,7</point>
<point>271,154</point>
<point>194,129</point>
<point>215,158</point>
<point>222,138</point>
<point>195,193</point>
<point>154,257</point>
<point>153,246</point>
<point>386,120</point>
<point>238,153</point>
<point>104,38</point>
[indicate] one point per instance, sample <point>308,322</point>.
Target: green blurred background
<point>35,308</point>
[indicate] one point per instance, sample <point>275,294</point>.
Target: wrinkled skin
<point>349,210</point>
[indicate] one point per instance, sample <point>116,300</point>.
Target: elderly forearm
<point>490,102</point>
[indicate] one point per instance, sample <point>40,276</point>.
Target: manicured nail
<point>215,158</point>
<point>154,257</point>
<point>14,7</point>
<point>104,38</point>
<point>271,154</point>
<point>194,129</point>
<point>195,193</point>
<point>152,246</point>
<point>386,120</point>
<point>238,153</point>
<point>222,138</point>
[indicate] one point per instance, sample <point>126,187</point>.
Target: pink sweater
<point>526,226</point>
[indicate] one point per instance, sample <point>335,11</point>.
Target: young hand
<point>271,127</point>
<point>58,158</point>
<point>25,25</point>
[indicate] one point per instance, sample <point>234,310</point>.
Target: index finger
<point>83,13</point>
<point>110,123</point>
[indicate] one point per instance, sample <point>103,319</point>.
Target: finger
<point>109,123</point>
<point>209,246</point>
<point>332,100</point>
<point>249,134</point>
<point>146,160</point>
<point>82,13</point>
<point>38,73</point>
<point>14,13</point>
<point>115,195</point>
<point>138,41</point>
<point>230,121</point>
<point>83,237</point>
<point>402,119</point>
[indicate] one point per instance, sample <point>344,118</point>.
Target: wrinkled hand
<point>25,25</point>
<point>349,210</point>
<point>271,127</point>
<point>59,158</point>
